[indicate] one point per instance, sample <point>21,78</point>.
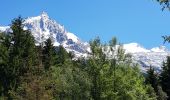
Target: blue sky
<point>140,21</point>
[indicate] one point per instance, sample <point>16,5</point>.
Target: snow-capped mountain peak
<point>134,48</point>
<point>159,49</point>
<point>44,15</point>
<point>43,27</point>
<point>72,37</point>
<point>4,28</point>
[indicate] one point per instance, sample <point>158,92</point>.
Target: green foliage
<point>30,72</point>
<point>164,4</point>
<point>62,55</point>
<point>71,83</point>
<point>4,63</point>
<point>129,84</point>
<point>114,77</point>
<point>33,87</point>
<point>161,95</point>
<point>166,38</point>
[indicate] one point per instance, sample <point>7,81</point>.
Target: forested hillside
<point>46,72</point>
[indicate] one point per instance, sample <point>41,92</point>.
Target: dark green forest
<point>45,72</point>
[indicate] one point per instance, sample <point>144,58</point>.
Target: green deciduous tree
<point>70,81</point>
<point>114,77</point>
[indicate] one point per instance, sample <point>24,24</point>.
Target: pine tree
<point>62,55</point>
<point>49,54</point>
<point>5,42</point>
<point>152,78</point>
<point>19,52</point>
<point>165,77</point>
<point>35,84</point>
<point>22,53</point>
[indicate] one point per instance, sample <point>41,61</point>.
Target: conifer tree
<point>5,42</point>
<point>152,78</point>
<point>62,55</point>
<point>35,84</point>
<point>22,53</point>
<point>19,52</point>
<point>165,77</point>
<point>49,54</point>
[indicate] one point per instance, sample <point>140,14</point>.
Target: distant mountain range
<point>43,27</point>
<point>145,57</point>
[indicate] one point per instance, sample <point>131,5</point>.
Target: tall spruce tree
<point>62,55</point>
<point>152,79</point>
<point>22,53</point>
<point>5,43</point>
<point>165,77</point>
<point>49,54</point>
<point>35,84</point>
<point>19,45</point>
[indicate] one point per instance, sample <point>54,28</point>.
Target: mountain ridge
<point>147,57</point>
<point>43,27</point>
